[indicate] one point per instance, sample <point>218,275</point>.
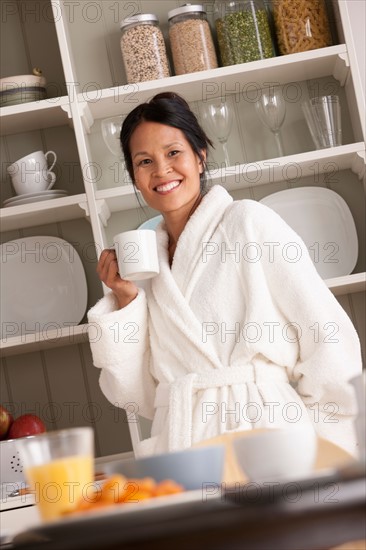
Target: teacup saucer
<point>33,197</point>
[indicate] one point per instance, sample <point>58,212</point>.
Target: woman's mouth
<point>167,187</point>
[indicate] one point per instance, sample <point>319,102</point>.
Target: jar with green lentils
<point>243,31</point>
<point>143,48</point>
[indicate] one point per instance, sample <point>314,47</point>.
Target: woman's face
<point>166,169</point>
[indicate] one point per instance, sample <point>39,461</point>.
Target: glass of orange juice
<point>59,468</point>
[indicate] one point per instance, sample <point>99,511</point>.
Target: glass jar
<point>191,40</point>
<point>243,31</point>
<point>301,26</point>
<point>143,48</point>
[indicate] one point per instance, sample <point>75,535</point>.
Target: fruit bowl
<point>25,425</point>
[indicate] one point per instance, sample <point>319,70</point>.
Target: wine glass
<point>217,116</point>
<point>111,130</point>
<point>271,109</point>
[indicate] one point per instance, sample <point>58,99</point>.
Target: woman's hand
<point>107,269</point>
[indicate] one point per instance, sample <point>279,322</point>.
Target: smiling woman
<point>224,340</point>
<point>166,169</point>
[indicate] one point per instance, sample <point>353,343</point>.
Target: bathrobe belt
<point>178,395</point>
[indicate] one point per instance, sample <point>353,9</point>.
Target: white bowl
<point>277,453</point>
<point>22,81</point>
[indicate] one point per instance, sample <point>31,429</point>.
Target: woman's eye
<point>144,162</point>
<point>173,153</point>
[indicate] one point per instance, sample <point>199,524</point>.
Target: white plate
<point>120,516</point>
<point>324,222</point>
<point>36,197</point>
<point>36,194</point>
<point>43,286</point>
<point>152,223</point>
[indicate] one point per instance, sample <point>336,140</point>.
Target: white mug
<point>34,182</point>
<point>137,254</point>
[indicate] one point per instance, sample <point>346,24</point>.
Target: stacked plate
<point>324,221</point>
<point>43,287</point>
<point>35,197</point>
<point>22,89</point>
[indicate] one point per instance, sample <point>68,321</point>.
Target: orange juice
<point>58,485</point>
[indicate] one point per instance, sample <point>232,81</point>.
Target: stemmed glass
<point>271,109</point>
<point>111,129</point>
<point>217,116</point>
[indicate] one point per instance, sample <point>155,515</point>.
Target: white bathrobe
<point>239,333</point>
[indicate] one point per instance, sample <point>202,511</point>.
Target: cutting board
<point>329,455</point>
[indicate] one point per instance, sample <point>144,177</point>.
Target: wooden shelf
<point>40,213</point>
<point>300,165</point>
<point>236,79</point>
<point>66,336</point>
<point>347,284</point>
<point>79,334</point>
<point>120,198</point>
<point>255,173</point>
<point>34,115</point>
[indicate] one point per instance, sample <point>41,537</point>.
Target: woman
<point>237,331</point>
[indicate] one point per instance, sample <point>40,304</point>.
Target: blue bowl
<point>192,468</point>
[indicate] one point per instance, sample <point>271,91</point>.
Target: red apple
<point>27,424</point>
<point>6,420</point>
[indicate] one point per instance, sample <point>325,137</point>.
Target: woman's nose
<point>162,167</point>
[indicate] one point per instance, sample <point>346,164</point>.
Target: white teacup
<point>277,453</point>
<point>31,174</point>
<point>33,182</point>
<point>137,254</point>
<point>34,162</point>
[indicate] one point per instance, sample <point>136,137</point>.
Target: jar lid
<point>138,18</point>
<point>187,8</point>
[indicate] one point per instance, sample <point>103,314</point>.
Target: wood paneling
<point>61,386</point>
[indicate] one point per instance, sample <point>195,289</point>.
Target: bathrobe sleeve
<point>328,346</point>
<point>120,347</point>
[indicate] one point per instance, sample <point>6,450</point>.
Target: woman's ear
<point>202,161</point>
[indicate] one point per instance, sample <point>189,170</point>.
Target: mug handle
<point>53,179</point>
<point>54,159</point>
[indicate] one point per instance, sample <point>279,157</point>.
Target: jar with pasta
<point>143,48</point>
<point>243,31</point>
<point>301,25</point>
<point>191,40</point>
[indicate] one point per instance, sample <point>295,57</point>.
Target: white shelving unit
<point>82,109</point>
<point>84,105</point>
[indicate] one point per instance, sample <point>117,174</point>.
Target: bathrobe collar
<point>171,289</point>
<point>197,232</point>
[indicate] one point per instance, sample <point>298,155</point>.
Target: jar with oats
<point>143,48</point>
<point>243,31</point>
<point>301,25</point>
<point>191,41</point>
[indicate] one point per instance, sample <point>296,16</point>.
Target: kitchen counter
<point>308,514</point>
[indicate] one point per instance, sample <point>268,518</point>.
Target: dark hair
<point>171,109</point>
